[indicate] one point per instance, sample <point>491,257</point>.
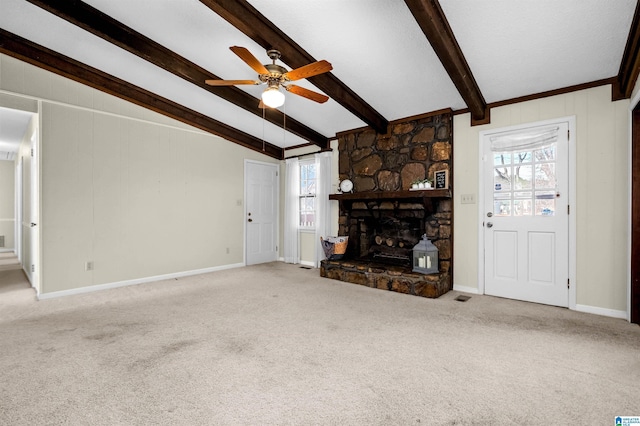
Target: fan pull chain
<point>263,120</point>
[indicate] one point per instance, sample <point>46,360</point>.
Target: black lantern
<point>425,257</point>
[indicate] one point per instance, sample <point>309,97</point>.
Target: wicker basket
<point>334,247</point>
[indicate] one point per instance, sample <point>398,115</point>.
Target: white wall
<point>136,193</point>
<point>7,204</point>
<point>601,197</point>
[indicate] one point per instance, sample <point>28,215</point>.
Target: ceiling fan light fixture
<point>272,97</point>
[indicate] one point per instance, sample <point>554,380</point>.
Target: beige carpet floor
<point>9,261</point>
<point>277,344</point>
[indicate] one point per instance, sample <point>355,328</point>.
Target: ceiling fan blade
<point>306,93</point>
<point>251,60</point>
<point>309,70</point>
<point>230,82</point>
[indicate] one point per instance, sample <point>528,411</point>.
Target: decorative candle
<point>428,262</point>
<point>421,262</point>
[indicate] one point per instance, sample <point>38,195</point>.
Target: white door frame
<point>38,200</point>
<point>244,209</point>
<point>18,209</point>
<point>571,120</point>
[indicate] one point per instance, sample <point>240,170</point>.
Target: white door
<point>30,208</point>
<point>261,212</point>
<point>526,222</point>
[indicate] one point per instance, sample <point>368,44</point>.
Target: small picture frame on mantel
<point>441,179</point>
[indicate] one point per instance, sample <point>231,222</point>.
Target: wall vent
<point>1,240</point>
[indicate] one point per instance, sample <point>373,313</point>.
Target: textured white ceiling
<point>518,48</point>
<point>513,48</point>
<point>376,48</point>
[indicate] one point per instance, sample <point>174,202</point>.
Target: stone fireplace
<point>383,218</point>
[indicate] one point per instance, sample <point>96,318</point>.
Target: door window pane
<point>522,157</point>
<point>502,208</point>
<point>545,175</point>
<point>522,178</point>
<point>524,183</point>
<point>522,207</point>
<point>545,207</point>
<point>502,179</point>
<point>502,158</point>
<point>546,153</point>
<point>526,195</point>
<point>545,203</point>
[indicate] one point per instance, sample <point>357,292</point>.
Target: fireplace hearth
<point>383,227</point>
<point>383,276</point>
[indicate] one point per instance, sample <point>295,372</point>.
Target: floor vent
<point>462,298</point>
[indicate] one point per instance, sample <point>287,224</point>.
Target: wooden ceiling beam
<point>34,54</point>
<point>252,23</point>
<point>113,31</point>
<point>630,65</point>
<point>435,27</point>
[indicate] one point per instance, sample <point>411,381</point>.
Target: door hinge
<point>32,152</point>
<point>276,173</point>
<point>568,132</point>
<point>33,268</point>
<point>276,248</point>
<point>568,209</point>
<point>568,282</point>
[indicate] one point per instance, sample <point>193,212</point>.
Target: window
<point>308,181</point>
<point>525,182</point>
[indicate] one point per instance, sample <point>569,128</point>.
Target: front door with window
<point>526,238</point>
<point>261,188</point>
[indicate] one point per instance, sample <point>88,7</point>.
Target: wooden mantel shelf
<point>391,195</point>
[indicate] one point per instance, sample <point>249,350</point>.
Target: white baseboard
<point>99,287</point>
<point>579,308</point>
<point>7,250</point>
<point>302,262</point>
<point>602,311</point>
<point>465,289</point>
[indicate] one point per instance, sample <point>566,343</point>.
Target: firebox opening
<point>390,239</point>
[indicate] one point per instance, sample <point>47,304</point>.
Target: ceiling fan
<point>276,76</point>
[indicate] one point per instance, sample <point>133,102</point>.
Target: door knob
<point>250,220</point>
<point>489,224</point>
<point>490,214</point>
<point>32,224</point>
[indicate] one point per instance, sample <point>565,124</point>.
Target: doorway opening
<point>19,146</point>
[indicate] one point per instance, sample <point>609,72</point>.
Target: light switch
<point>468,199</point>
